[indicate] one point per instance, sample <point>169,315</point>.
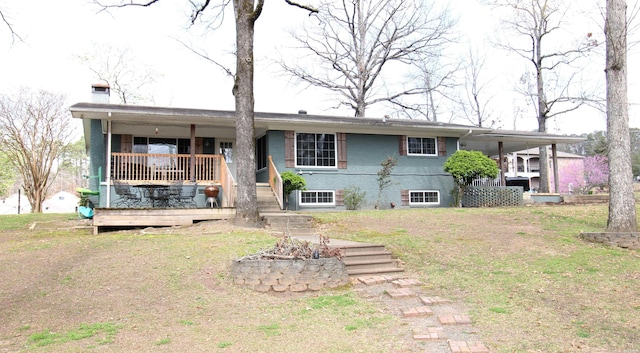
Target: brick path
<point>435,323</point>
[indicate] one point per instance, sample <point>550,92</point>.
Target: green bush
<point>292,181</point>
<point>354,197</point>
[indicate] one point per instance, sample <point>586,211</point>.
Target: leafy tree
<point>592,172</point>
<point>355,43</point>
<point>622,204</point>
<point>35,131</point>
<point>465,166</point>
<point>384,177</point>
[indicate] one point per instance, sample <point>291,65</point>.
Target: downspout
<point>108,178</point>
<point>463,136</point>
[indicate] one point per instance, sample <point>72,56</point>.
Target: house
<point>60,202</point>
<point>146,144</point>
<point>526,164</point>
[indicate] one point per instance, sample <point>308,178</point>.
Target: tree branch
<point>311,10</point>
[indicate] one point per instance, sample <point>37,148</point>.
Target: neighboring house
<point>526,163</point>
<point>61,202</point>
<point>144,144</point>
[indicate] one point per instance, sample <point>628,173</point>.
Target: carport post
<point>503,179</point>
<point>554,158</point>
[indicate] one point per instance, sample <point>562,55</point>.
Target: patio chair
<point>126,195</point>
<point>187,195</point>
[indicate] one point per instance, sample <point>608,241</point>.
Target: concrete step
<point>364,249</point>
<point>373,255</point>
<point>370,263</point>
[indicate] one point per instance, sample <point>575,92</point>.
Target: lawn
<point>531,285</point>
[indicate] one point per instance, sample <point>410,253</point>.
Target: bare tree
<point>474,104</point>
<point>355,43</point>
<point>118,68</point>
<point>622,206</point>
<point>35,129</point>
<point>4,18</point>
<point>247,13</point>
<point>536,34</point>
<point>436,74</point>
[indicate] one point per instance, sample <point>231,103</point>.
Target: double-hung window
<point>422,146</point>
<point>315,150</point>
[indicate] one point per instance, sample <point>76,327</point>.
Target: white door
<point>225,148</point>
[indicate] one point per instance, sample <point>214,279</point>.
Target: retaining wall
<point>290,275</point>
<point>622,240</point>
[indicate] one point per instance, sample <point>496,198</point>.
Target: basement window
<point>317,198</point>
<point>424,197</point>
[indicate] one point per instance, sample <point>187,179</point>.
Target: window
<point>424,197</point>
<point>315,150</point>
<point>424,146</point>
<point>226,149</point>
<point>321,198</point>
<point>261,152</point>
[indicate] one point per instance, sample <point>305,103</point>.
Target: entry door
<point>226,149</point>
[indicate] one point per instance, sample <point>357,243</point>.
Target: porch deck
<point>156,217</point>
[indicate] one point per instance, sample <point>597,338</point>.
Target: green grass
<point>107,331</point>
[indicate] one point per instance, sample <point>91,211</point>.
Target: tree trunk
<point>622,208</point>
<point>543,161</point>
<point>246,207</point>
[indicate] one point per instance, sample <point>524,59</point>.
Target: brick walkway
<point>435,322</point>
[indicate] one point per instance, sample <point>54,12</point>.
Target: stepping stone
<point>400,293</point>
<point>454,320</point>
<point>434,300</point>
<point>371,280</point>
<point>429,334</point>
<point>406,282</point>
<point>467,347</point>
<point>417,311</point>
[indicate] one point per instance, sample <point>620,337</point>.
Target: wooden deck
<point>155,217</point>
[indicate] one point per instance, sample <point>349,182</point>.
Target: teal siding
<point>364,155</point>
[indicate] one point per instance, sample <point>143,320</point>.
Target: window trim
<point>435,141</point>
<point>316,166</point>
<point>411,203</point>
<point>327,204</point>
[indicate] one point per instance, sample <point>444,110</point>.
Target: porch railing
<point>275,181</point>
<point>164,168</point>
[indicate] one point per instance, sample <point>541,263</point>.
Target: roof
<point>472,137</point>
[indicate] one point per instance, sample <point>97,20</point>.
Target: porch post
<point>192,157</point>
<point>554,158</point>
<point>503,179</point>
<point>108,172</point>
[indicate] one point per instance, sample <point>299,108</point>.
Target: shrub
<point>354,197</point>
<point>292,181</point>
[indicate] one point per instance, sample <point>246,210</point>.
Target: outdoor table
<point>152,192</point>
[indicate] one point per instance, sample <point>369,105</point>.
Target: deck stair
<point>267,202</point>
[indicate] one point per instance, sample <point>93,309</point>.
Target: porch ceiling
<point>513,141</point>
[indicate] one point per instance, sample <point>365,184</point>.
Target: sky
<point>55,33</point>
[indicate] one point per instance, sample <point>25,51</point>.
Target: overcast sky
<point>54,33</point>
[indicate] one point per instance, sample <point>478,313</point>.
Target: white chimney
<point>100,93</point>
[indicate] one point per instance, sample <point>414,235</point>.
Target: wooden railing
<point>149,168</point>
<point>275,181</point>
<point>142,168</point>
